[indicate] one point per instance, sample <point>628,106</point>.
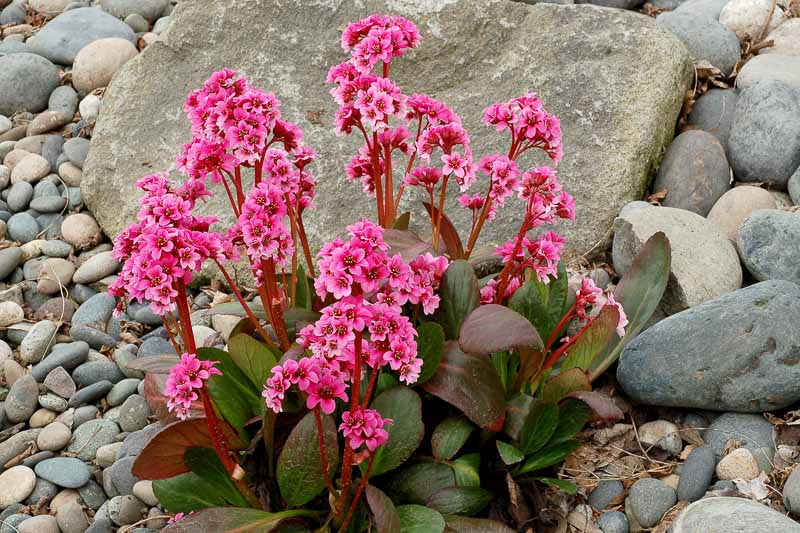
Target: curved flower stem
<point>247,310</point>
<point>388,202</point>
<point>322,456</point>
<point>372,380</point>
<point>561,323</point>
<point>376,179</point>
<point>473,236</point>
<point>360,490</point>
<point>440,214</point>
<point>268,270</point>
<point>301,232</point>
<point>172,339</point>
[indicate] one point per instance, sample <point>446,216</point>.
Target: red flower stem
<point>268,269</point>
<point>561,323</point>
<point>433,218</point>
<point>355,392</point>
<point>301,231</point>
<point>360,490</point>
<point>389,192</point>
<point>440,213</point>
<point>293,223</point>
<point>172,339</point>
<point>408,168</point>
<point>247,310</point>
<point>473,236</point>
<point>238,184</point>
<point>504,275</point>
<point>372,380</point>
<point>230,197</point>
<point>376,178</point>
<point>323,458</point>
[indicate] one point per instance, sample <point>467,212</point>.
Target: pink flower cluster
<point>167,243</point>
<point>365,426</point>
<point>589,295</point>
<point>262,226</point>
<point>184,380</point>
<point>530,124</point>
<point>378,38</point>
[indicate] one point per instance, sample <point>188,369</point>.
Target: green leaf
<point>299,472</point>
<point>402,221</point>
<point>449,436</point>
<point>600,403</point>
<point>549,456</point>
<point>592,340</point>
<point>572,416</point>
<point>233,393</point>
<point>517,410</point>
<point>385,381</point>
<point>463,524</point>
<point>416,483</point>
<point>404,407</point>
<point>419,519</point>
<point>205,463</point>
<point>430,346</point>
<point>539,426</point>
<point>467,470</point>
<point>303,297</point>
<point>561,484</point>
<point>253,357</point>
<point>639,291</point>
<point>459,296</point>
<point>460,500</point>
<point>494,328</point>
<point>469,382</point>
<point>505,363</point>
<point>509,453</point>
<point>186,492</point>
<point>387,519</point>
<point>544,304</point>
<point>235,520</point>
<point>565,382</point>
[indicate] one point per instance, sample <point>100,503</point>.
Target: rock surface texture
<point>623,80</point>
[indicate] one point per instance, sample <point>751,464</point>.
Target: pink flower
<point>324,391</point>
<point>586,297</point>
<point>365,427</point>
<point>184,380</point>
<point>623,319</point>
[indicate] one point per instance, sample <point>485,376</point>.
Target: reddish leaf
<point>405,243</point>
<point>157,364</point>
<point>493,328</point>
<point>593,340</point>
<point>449,233</point>
<point>601,404</point>
<point>469,382</point>
<point>386,518</point>
<point>235,520</point>
<point>564,383</point>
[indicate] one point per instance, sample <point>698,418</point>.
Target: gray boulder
<point>26,83</point>
<point>694,277</point>
<point>624,81</point>
<point>737,353</point>
<point>764,144</point>
<point>769,244</point>
<point>63,37</point>
<point>694,172</point>
<point>727,514</point>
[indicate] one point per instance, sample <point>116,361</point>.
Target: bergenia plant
<point>311,416</point>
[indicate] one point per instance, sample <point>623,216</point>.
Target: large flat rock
<point>615,80</point>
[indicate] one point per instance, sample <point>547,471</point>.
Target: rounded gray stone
<point>26,84</point>
<point>66,472</point>
<point>89,436</point>
<point>737,352</point>
<point>705,38</point>
<point>764,143</point>
<point>613,522</point>
<point>64,99</point>
<point>94,371</point>
<point>694,172</point>
<point>791,492</point>
<point>121,391</point>
<point>122,477</point>
<point>96,268</point>
<point>149,9</point>
<point>38,342</point>
<point>63,37</point>
<point>137,23</point>
<point>696,473</point>
<point>76,150</point>
<point>769,245</point>
<point>19,197</point>
<point>90,393</point>
<point>71,518</point>
<point>60,382</point>
<point>126,509</point>
<point>726,514</point>
<point>95,312</point>
<point>751,431</point>
<point>134,413</point>
<point>22,227</point>
<point>709,9</point>
<point>10,259</point>
<point>67,355</point>
<point>43,492</point>
<point>606,493</point>
<point>93,495</point>
<point>794,187</point>
<point>22,399</point>
<point>650,498</point>
<point>48,204</point>
<point>52,402</point>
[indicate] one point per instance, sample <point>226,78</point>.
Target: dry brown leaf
<point>658,196</point>
<point>686,451</point>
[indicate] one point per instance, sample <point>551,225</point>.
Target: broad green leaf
<point>416,483</point>
<point>463,524</point>
<point>563,383</point>
<point>299,473</point>
<point>560,484</point>
<point>186,492</point>
<point>449,234</point>
<point>253,357</point>
<point>460,500</point>
<point>385,381</point>
<point>544,304</point>
<point>572,416</point>
<point>387,519</point>
<point>517,410</point>
<point>449,436</point>
<point>236,520</point>
<point>205,463</point>
<point>467,470</point>
<point>639,291</point>
<point>459,296</point>
<point>494,328</point>
<point>430,345</point>
<point>592,340</point>
<point>233,393</point>
<point>469,382</point>
<point>509,453</point>
<point>402,221</point>
<point>539,426</point>
<point>600,404</point>
<point>404,407</point>
<point>549,456</point>
<point>506,363</point>
<point>419,519</point>
<point>303,297</point>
